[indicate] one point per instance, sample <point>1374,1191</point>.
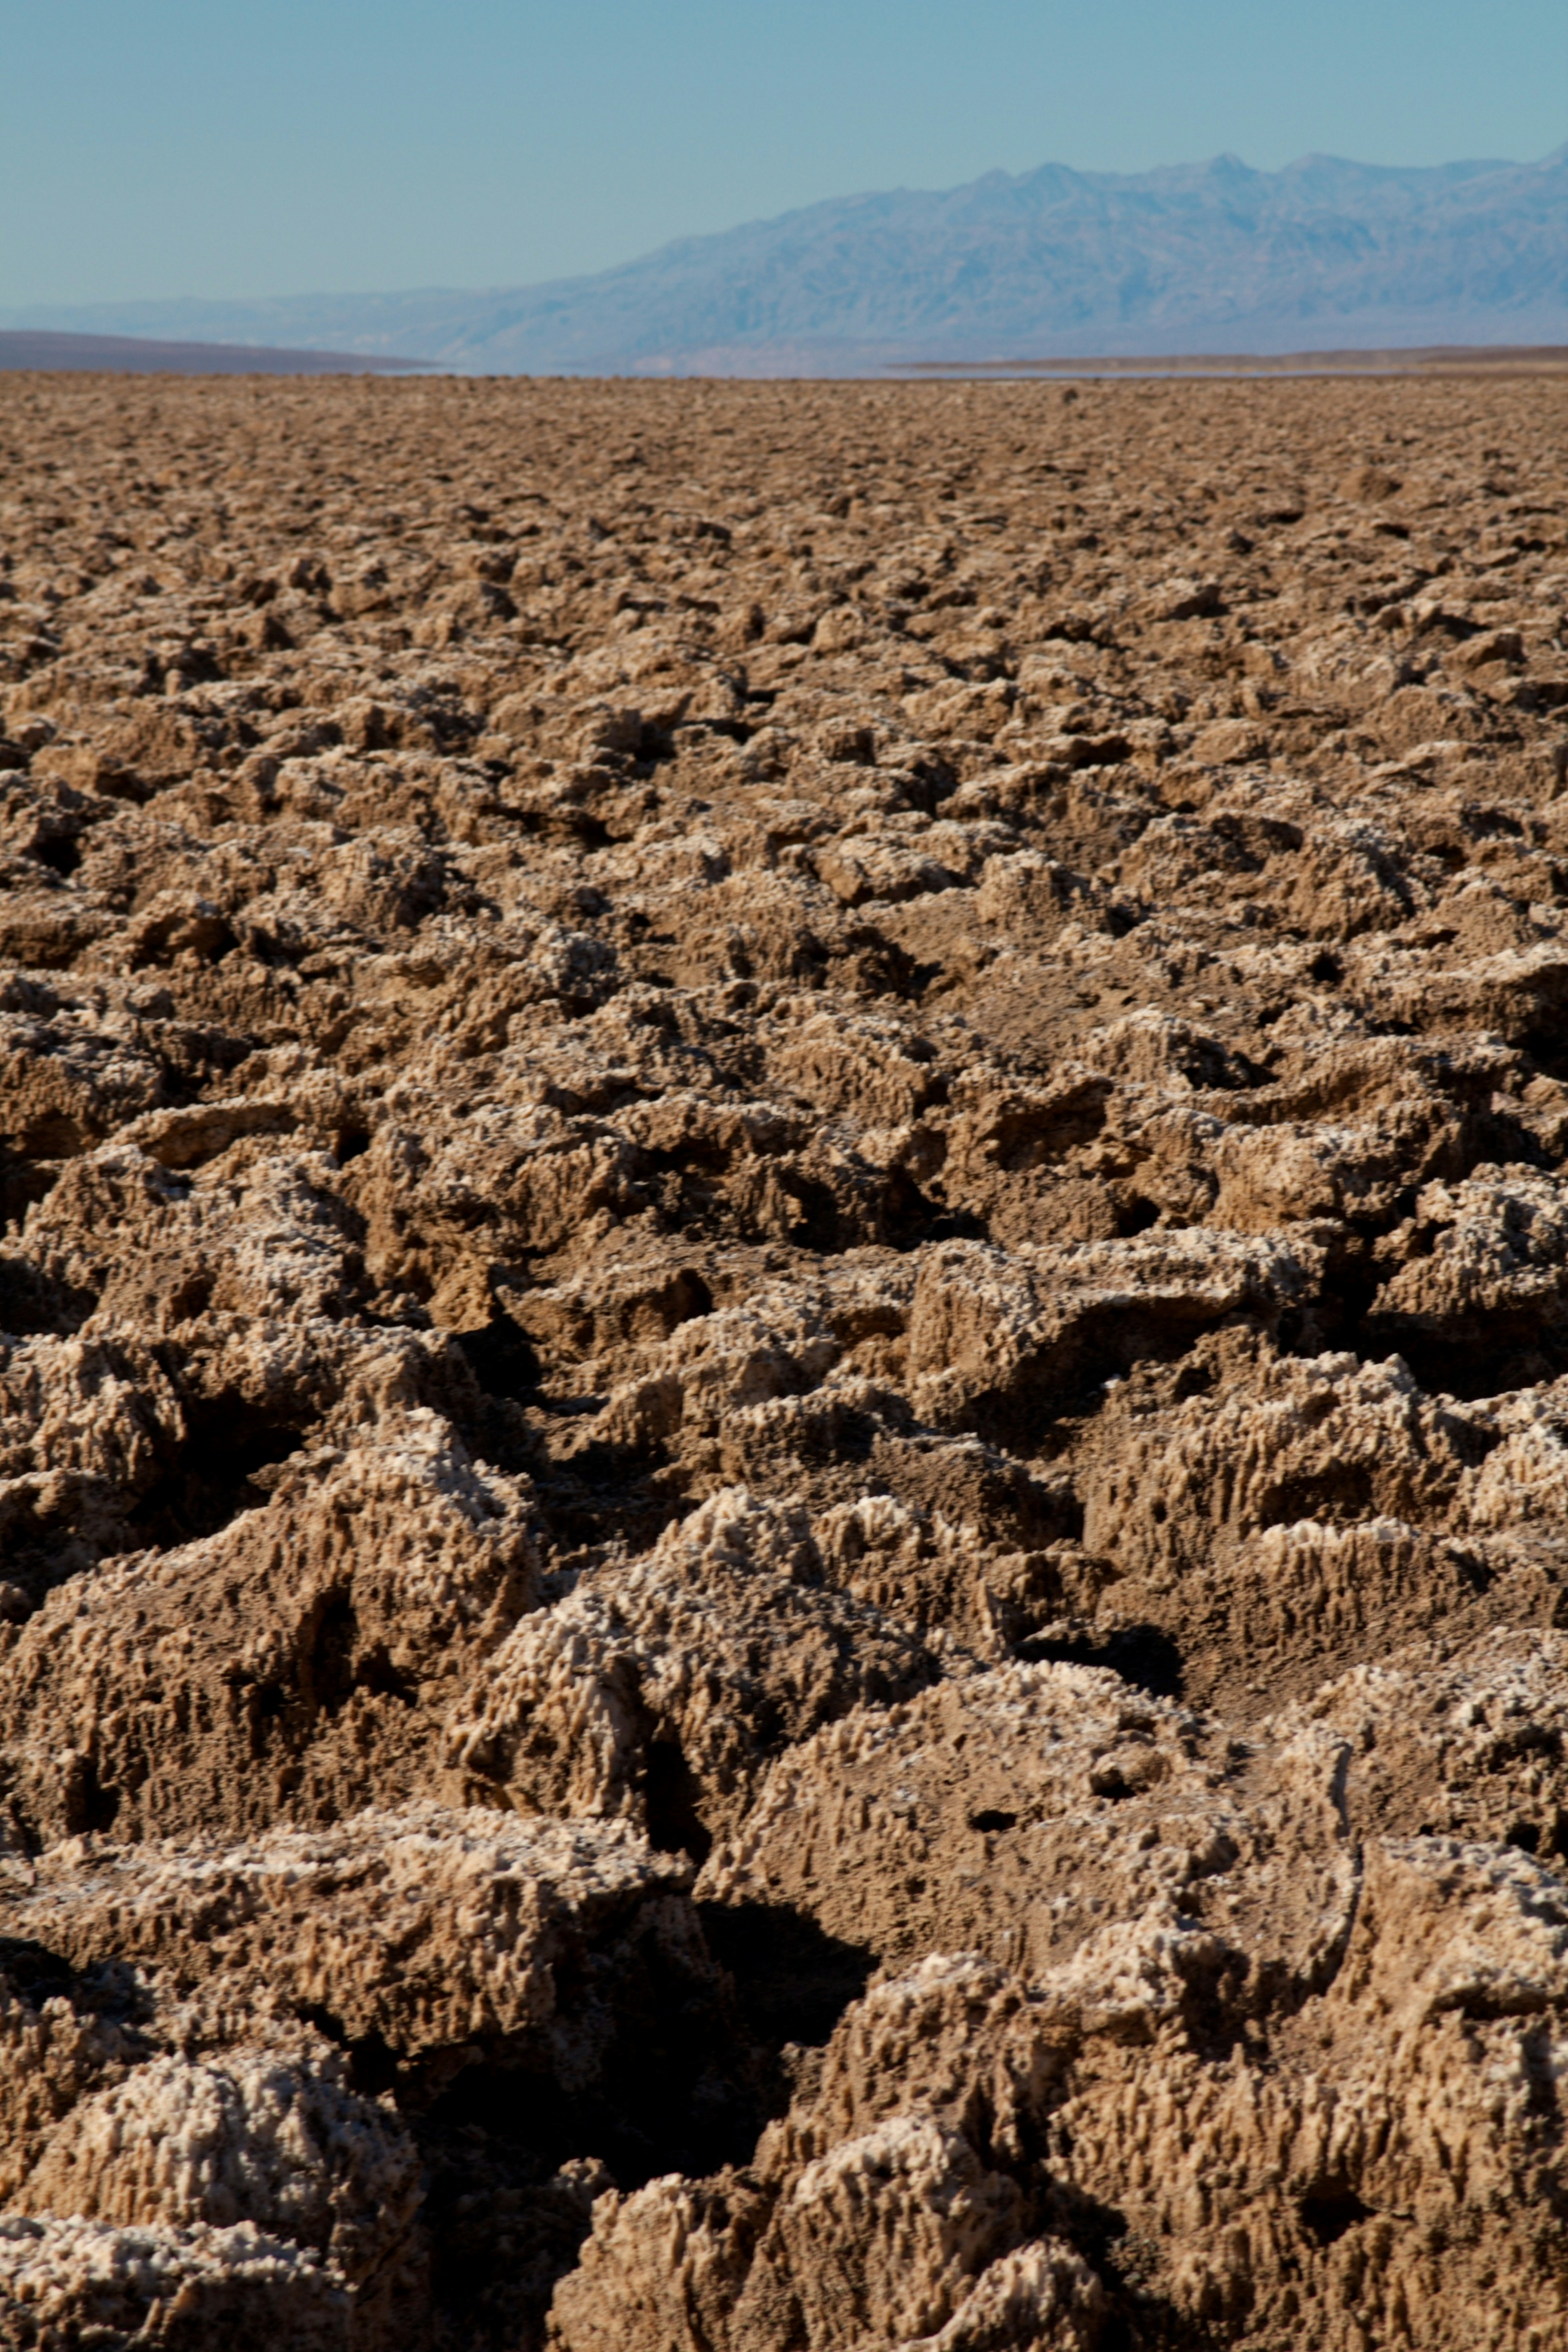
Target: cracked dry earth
<point>785,1406</point>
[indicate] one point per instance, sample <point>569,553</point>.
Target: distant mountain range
<point>1210,257</point>
<point>36,348</point>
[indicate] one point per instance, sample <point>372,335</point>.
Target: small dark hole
<point>1328,2218</point>
<point>211,1480</point>
<point>328,1667</point>
<point>376,1673</point>
<point>351,1142</point>
<point>1145,1655</point>
<point>991,1818</point>
<point>1135,1216</point>
<point>325,2020</point>
<point>38,1974</point>
<point>1526,1836</point>
<point>501,1358</point>
<point>88,1805</point>
<point>692,1295</point>
<point>670,1795</point>
<point>62,854</point>
<point>372,2066</point>
<point>1326,968</point>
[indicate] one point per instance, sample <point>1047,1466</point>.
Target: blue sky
<point>156,148</point>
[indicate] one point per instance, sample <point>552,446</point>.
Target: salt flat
<point>783,1432</point>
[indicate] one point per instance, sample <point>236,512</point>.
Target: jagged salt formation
<point>783,1395</point>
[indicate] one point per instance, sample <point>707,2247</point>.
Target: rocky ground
<point>783,1424</point>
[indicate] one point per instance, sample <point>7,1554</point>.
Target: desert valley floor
<point>783,1416</point>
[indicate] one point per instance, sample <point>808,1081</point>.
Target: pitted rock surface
<point>784,1365</point>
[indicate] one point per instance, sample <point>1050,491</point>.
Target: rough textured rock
<point>290,1665</point>
<point>656,1693</point>
<point>784,1365</point>
<point>65,2283</point>
<point>1014,1812</point>
<point>329,1919</point>
<point>365,2041</point>
<point>966,2128</point>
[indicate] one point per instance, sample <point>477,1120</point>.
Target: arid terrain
<point>783,1424</point>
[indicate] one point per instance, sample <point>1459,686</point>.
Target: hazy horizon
<point>338,148</point>
<point>1326,253</point>
<point>38,312</point>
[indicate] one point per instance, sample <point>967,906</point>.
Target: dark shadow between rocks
<point>502,1359</point>
<point>38,1974</point>
<point>1137,2320</point>
<point>1510,1353</point>
<point>29,1301</point>
<point>793,1981</point>
<point>601,1494</point>
<point>670,1802</point>
<point>1327,2216</point>
<point>514,2146</point>
<point>214,1476</point>
<point>102,1989</point>
<point>1145,1655</point>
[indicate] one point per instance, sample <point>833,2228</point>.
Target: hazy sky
<point>162,147</point>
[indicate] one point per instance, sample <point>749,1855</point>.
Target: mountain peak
<point>1218,255</point>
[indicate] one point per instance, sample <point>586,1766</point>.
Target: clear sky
<point>155,148</point>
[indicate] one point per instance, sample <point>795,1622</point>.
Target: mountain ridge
<point>1051,261</point>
